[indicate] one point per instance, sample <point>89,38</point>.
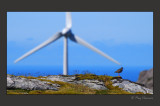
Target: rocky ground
<point>49,83</point>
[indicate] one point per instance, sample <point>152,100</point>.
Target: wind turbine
<point>66,33</point>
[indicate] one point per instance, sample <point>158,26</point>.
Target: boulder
<point>15,82</point>
<point>146,78</point>
<point>94,84</point>
<point>61,78</point>
<point>131,86</point>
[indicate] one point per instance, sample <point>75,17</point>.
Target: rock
<point>146,78</point>
<point>14,82</point>
<point>94,84</point>
<point>61,78</point>
<point>131,86</point>
<point>9,82</point>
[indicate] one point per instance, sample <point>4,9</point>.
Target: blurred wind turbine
<point>66,33</point>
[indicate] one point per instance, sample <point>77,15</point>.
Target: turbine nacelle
<point>67,32</point>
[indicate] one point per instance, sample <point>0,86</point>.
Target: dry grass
<point>71,89</point>
<point>93,76</point>
<point>31,77</point>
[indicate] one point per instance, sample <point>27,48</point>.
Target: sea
<point>130,73</point>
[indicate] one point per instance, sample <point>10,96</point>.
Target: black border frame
<point>118,6</point>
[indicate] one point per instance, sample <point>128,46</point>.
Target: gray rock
<point>146,78</point>
<point>29,84</point>
<point>94,84</point>
<point>9,82</point>
<point>131,86</point>
<point>61,78</point>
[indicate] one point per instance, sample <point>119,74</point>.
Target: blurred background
<point>125,36</point>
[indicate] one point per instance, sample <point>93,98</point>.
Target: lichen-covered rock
<point>94,84</point>
<point>131,86</point>
<point>15,82</point>
<point>61,78</point>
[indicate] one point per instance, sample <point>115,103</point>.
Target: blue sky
<point>125,36</point>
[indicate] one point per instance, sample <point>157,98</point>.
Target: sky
<point>125,36</point>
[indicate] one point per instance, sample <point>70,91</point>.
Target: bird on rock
<point>119,71</point>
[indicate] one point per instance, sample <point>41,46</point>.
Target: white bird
<point>66,33</point>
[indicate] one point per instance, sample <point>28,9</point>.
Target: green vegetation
<point>95,77</point>
<point>31,77</point>
<point>17,91</point>
<point>67,88</point>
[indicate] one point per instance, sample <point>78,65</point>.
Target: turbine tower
<point>66,33</point>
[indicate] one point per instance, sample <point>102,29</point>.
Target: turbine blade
<point>84,43</point>
<point>68,20</point>
<point>45,43</point>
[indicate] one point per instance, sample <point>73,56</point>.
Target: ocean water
<point>130,73</point>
